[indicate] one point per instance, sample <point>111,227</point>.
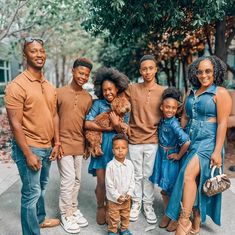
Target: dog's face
<point>121,105</point>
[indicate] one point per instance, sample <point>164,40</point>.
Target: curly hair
<point>119,79</point>
<point>219,67</point>
<point>171,92</point>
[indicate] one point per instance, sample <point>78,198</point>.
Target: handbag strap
<point>213,171</point>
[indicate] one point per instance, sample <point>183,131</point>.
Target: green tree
<point>126,23</point>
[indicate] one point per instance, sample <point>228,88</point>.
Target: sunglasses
<point>207,72</point>
<point>31,39</point>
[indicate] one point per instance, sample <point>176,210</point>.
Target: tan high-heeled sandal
<point>196,222</point>
<point>183,229</point>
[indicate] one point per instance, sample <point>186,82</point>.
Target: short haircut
<point>171,92</point>
<point>29,40</point>
<point>148,57</point>
<point>120,136</point>
<point>219,67</point>
<point>82,62</point>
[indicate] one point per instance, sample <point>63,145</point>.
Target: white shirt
<point>119,179</point>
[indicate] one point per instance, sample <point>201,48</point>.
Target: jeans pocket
<point>17,154</point>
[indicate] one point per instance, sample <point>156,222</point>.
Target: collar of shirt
<point>32,78</point>
<point>168,120</point>
<point>210,89</point>
<point>120,163</point>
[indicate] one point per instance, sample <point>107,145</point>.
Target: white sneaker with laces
<point>80,219</point>
<point>69,224</point>
<point>150,214</point>
<point>135,211</point>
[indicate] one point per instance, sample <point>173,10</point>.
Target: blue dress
<point>202,134</point>
<point>171,137</point>
<point>98,107</point>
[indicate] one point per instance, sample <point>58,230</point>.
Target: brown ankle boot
<point>101,215</point>
<point>184,224</point>
<point>165,220</point>
<point>172,226</point>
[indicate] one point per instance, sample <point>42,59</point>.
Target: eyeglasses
<point>207,72</point>
<point>31,39</point>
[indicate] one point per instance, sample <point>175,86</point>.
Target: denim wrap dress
<point>202,134</point>
<point>171,137</point>
<point>98,107</point>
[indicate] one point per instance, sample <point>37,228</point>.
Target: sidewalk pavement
<point>10,207</point>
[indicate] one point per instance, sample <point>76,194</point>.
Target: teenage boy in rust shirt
<point>73,104</point>
<point>145,115</point>
<point>31,107</point>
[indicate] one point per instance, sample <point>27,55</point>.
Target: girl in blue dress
<point>112,83</point>
<point>173,144</point>
<point>207,108</point>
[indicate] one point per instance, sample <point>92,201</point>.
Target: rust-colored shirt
<point>72,108</point>
<point>37,99</point>
<point>145,112</point>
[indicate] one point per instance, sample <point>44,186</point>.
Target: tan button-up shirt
<point>37,99</point>
<point>72,108</point>
<point>145,112</point>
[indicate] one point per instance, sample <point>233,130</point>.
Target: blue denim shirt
<point>201,107</point>
<point>101,106</point>
<point>170,133</point>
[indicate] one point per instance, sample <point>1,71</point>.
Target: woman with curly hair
<point>112,83</point>
<point>207,108</point>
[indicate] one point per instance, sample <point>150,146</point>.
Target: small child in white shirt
<point>120,183</point>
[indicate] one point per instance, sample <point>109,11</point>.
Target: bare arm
<point>57,150</point>
<point>184,119</point>
<point>15,117</point>
<point>91,125</point>
<point>183,150</point>
<point>224,105</point>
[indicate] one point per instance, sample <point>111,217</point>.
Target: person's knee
<point>30,197</point>
<point>189,177</point>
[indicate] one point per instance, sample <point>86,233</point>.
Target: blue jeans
<point>33,188</point>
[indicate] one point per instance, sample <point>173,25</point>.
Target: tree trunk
<point>173,71</point>
<point>63,70</point>
<point>57,79</point>
<point>220,42</point>
<point>184,75</point>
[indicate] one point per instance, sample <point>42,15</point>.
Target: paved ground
<point>10,207</point>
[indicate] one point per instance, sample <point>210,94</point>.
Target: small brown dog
<point>120,105</point>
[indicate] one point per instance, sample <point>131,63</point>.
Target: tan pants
<point>70,178</point>
<point>118,213</point>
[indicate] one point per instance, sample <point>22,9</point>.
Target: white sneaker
<point>135,211</point>
<point>150,214</point>
<point>80,219</point>
<point>69,224</point>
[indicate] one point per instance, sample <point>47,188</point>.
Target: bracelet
<point>57,144</point>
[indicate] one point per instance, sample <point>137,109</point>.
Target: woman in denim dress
<point>173,144</point>
<point>112,83</point>
<point>207,108</point>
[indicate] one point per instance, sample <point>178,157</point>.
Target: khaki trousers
<point>118,213</point>
<point>70,179</point>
